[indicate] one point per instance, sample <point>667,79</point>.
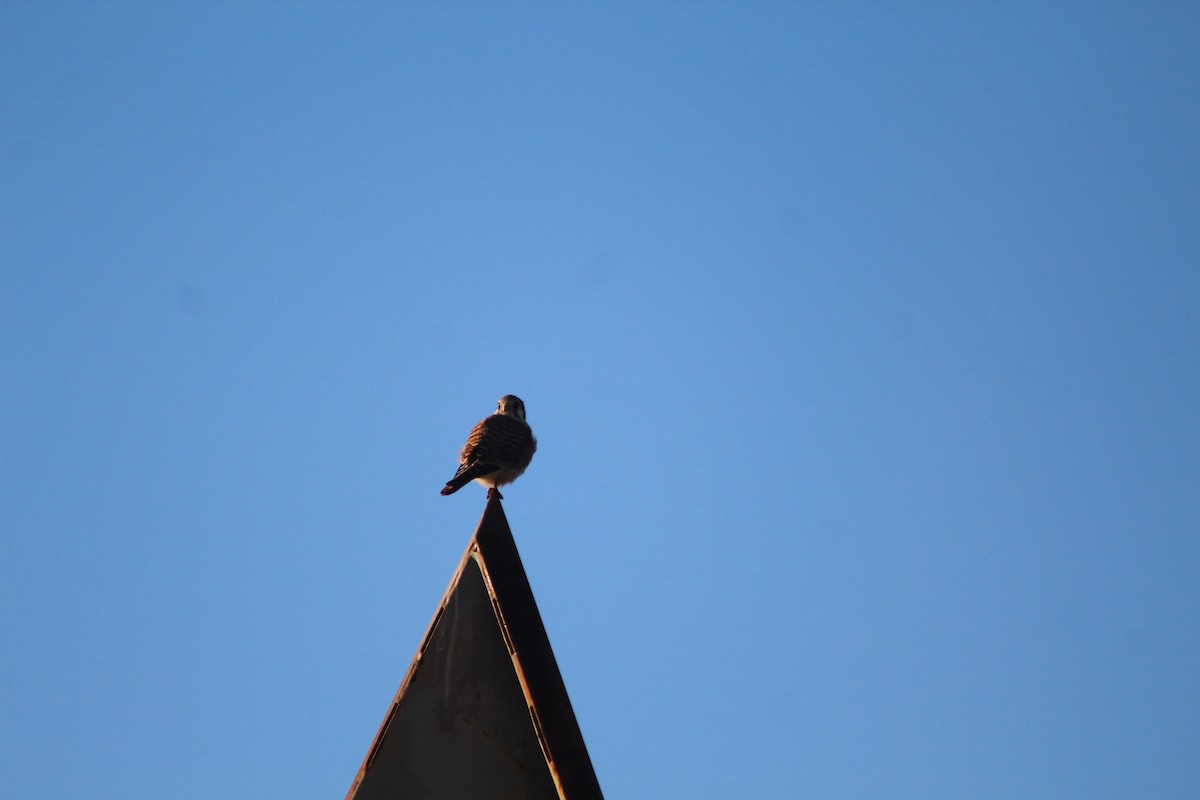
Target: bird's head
<point>511,405</point>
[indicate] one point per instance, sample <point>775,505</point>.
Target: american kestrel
<point>498,450</point>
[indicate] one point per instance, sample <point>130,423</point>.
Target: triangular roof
<point>483,711</point>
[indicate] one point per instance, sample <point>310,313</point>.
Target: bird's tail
<point>464,477</point>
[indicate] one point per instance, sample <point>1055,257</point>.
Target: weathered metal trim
<point>553,720</point>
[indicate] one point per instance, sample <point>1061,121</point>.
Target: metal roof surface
<point>483,711</point>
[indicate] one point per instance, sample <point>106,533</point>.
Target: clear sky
<point>862,343</point>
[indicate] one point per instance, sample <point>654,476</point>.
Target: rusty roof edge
<point>472,548</point>
<point>495,551</point>
<point>534,660</point>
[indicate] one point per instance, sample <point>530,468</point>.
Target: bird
<point>497,451</point>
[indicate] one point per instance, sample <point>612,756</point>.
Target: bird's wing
<point>497,441</point>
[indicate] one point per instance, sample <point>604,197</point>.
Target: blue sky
<point>860,340</point>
